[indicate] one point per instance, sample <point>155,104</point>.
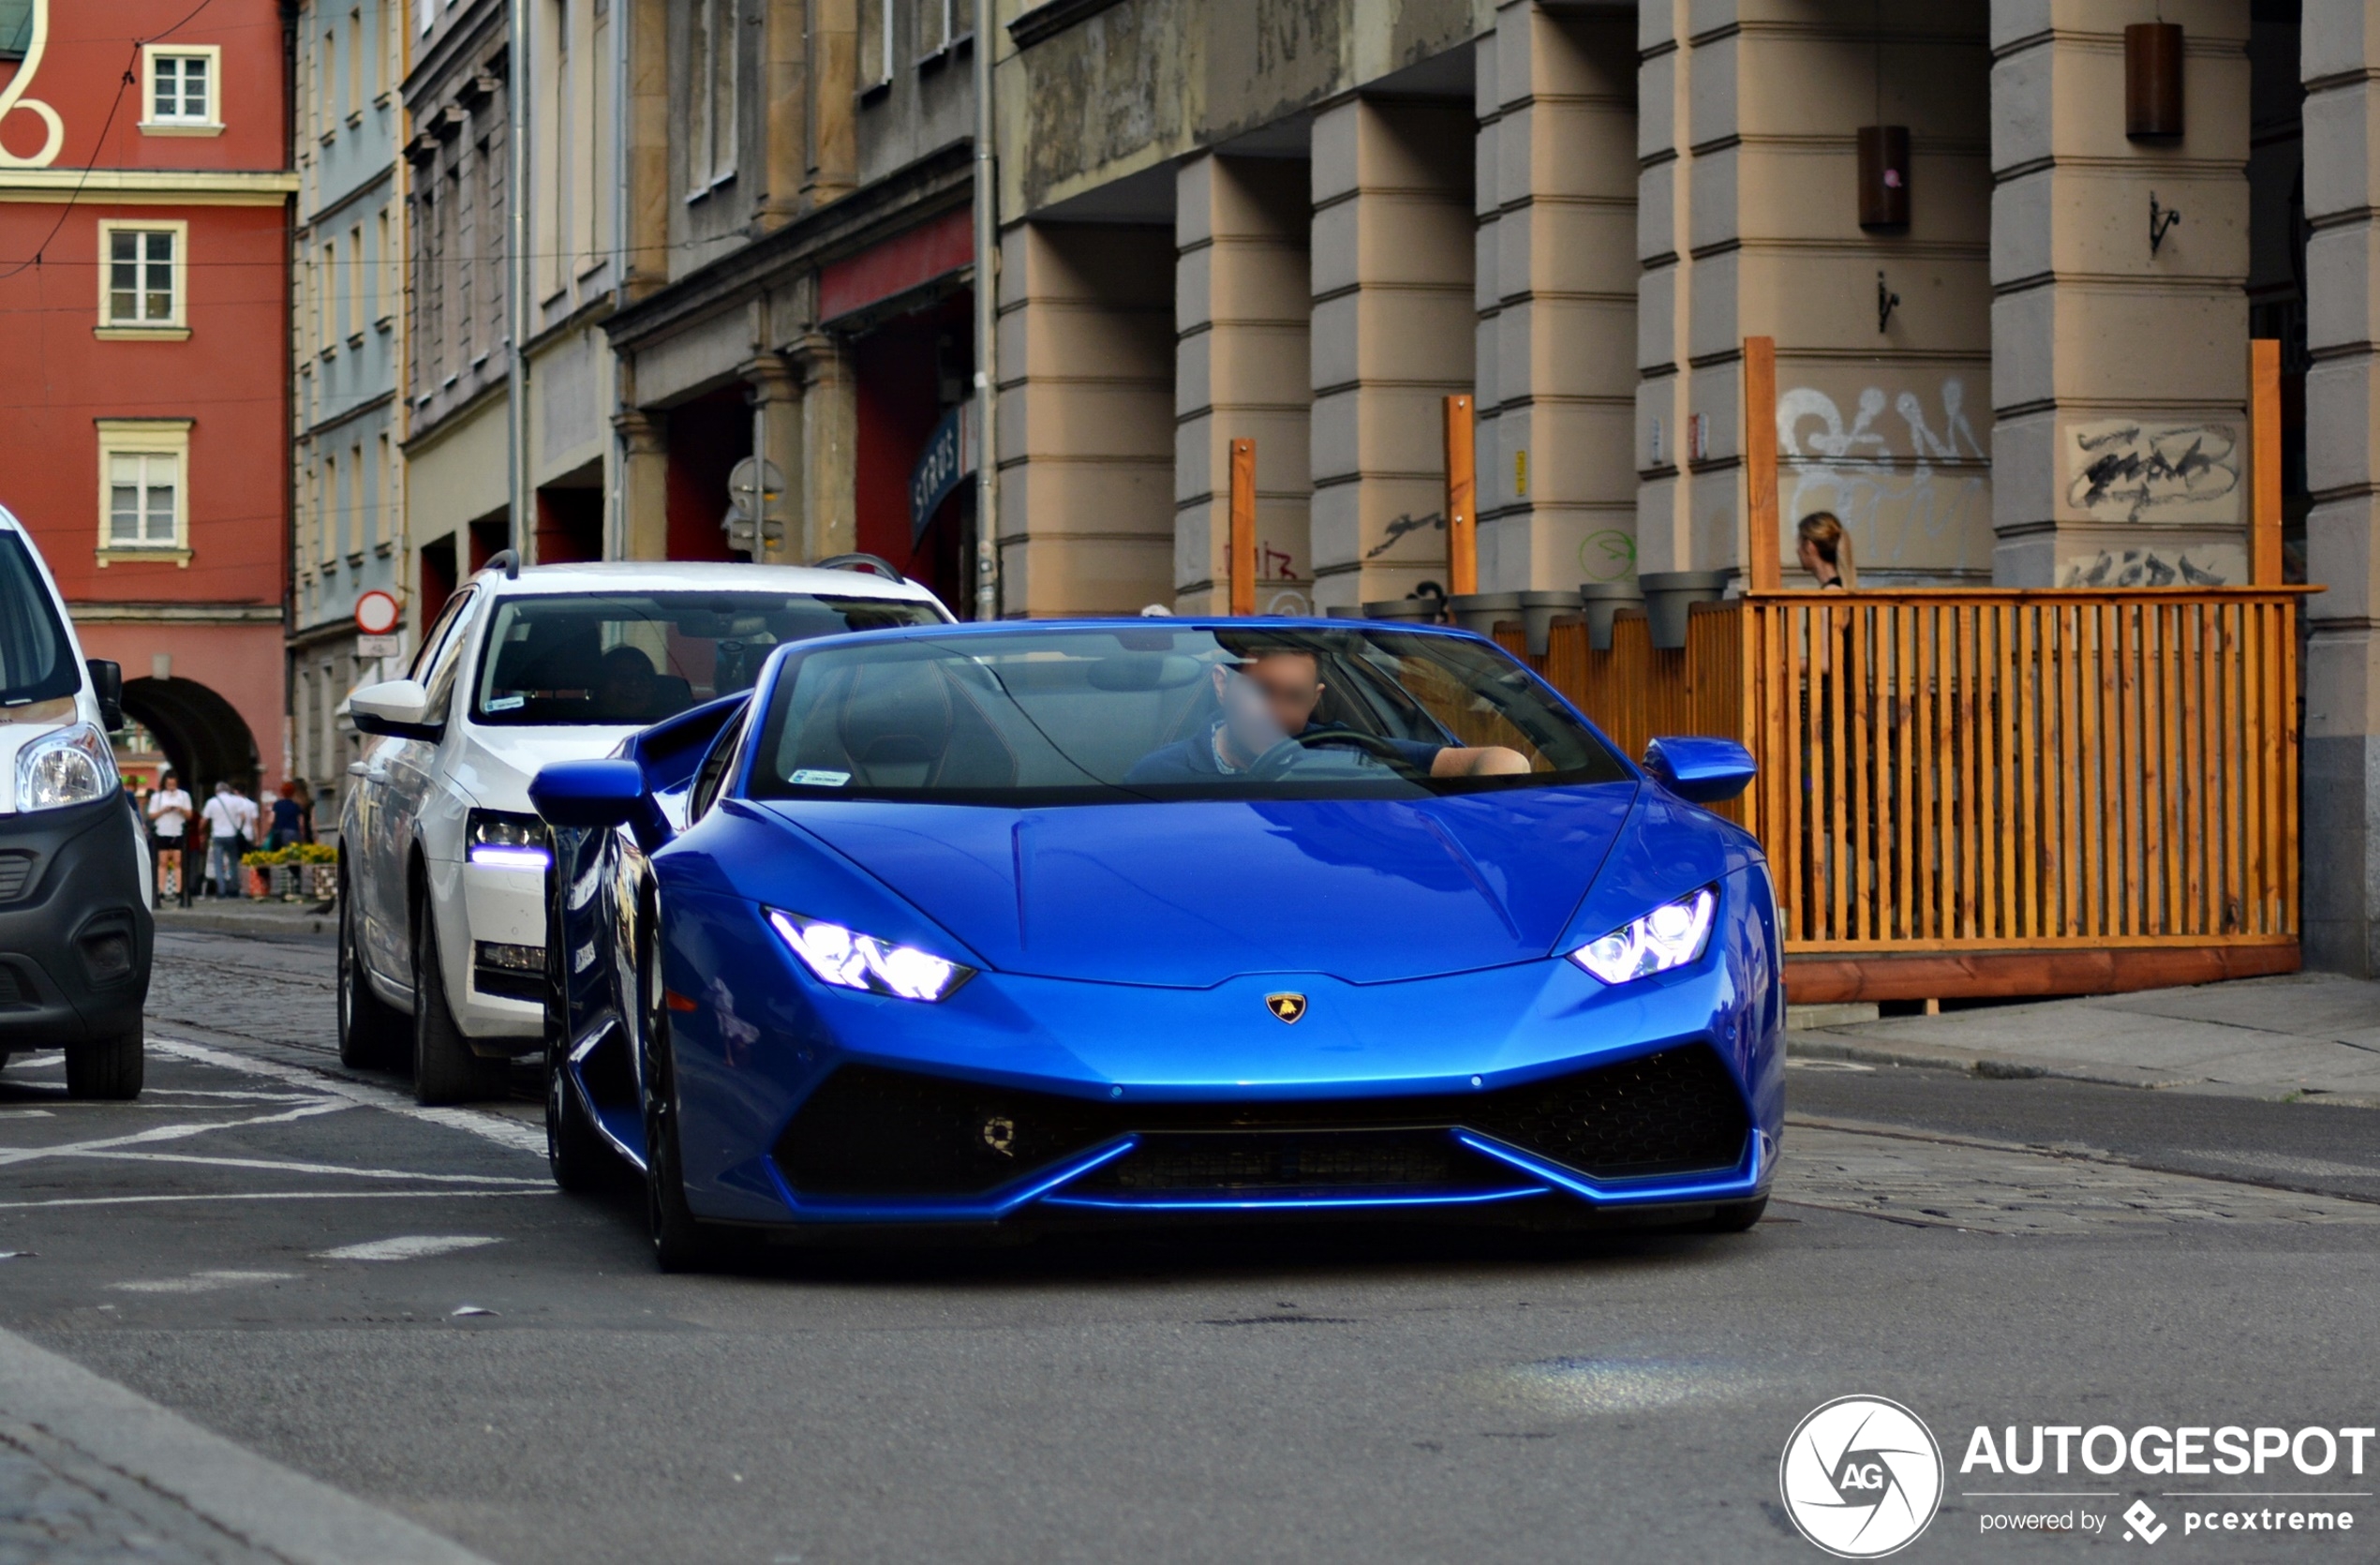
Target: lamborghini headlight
<point>72,766</point>
<point>838,956</point>
<point>1670,936</point>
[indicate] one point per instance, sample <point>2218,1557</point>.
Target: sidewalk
<point>269,921</point>
<point>2303,1036</point>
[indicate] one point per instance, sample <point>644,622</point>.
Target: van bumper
<point>76,936</point>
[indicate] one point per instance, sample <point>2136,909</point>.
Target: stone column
<point>1086,419</point>
<point>2114,365</point>
<point>2341,49</point>
<point>1240,305</point>
<point>1393,334</point>
<point>828,513</point>
<point>1556,297</point>
<point>777,435</point>
<point>834,85</point>
<point>1748,226</point>
<point>784,75</point>
<point>643,484</point>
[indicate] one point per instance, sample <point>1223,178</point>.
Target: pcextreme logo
<point>1861,1477</point>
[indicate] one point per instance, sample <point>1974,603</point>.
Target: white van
<point>74,927</point>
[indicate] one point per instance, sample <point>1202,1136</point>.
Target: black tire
<point>1736,1216</point>
<point>681,1240</point>
<point>372,1033</point>
<point>106,1068</point>
<point>578,1156</point>
<point>445,1070</point>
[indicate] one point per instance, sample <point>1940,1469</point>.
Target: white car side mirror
<point>393,706</point>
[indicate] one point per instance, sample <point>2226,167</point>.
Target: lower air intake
<point>870,1132</point>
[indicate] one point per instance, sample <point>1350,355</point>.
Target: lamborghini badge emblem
<point>1285,1005</point>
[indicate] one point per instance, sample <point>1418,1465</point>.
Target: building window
<point>143,502</point>
<point>184,90</point>
<point>716,56</point>
<point>875,46</point>
<point>142,278</point>
<point>937,28</point>
<point>354,311</point>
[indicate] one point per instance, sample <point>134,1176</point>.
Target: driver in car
<point>1269,700</point>
<point>625,688</point>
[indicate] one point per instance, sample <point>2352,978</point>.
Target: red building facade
<point>144,417</point>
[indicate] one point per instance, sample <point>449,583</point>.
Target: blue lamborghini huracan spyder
<point>999,924</point>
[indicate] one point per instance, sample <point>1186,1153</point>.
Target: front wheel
<point>681,1240</point>
<point>576,1154</point>
<point>445,1070</point>
<point>108,1068</point>
<point>371,1031</point>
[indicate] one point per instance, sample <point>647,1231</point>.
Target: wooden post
<point>1760,463</point>
<point>2264,462</point>
<point>1243,527</point>
<point>1462,491</point>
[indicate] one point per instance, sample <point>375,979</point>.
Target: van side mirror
<point>1701,770</point>
<point>107,689</point>
<point>395,708</point>
<point>599,796</point>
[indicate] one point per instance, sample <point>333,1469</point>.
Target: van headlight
<point>72,766</point>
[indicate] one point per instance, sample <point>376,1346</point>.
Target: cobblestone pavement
<point>59,1505</point>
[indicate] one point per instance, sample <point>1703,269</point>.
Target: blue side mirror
<point>599,795</point>
<point>1701,770</point>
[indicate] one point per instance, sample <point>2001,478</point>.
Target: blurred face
<point>627,687</point>
<point>1268,699</point>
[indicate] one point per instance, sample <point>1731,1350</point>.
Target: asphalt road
<point>395,1301</point>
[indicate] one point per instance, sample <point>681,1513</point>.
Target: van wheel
<point>371,1031</point>
<point>444,1068</point>
<point>109,1067</point>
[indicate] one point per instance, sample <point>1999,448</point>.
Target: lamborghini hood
<point>1194,894</point>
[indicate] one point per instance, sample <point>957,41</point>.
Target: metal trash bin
<point>1603,600</point>
<point>1667,595</point>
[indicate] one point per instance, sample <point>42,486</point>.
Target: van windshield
<point>1032,716</point>
<point>36,661</point>
<point>629,659</point>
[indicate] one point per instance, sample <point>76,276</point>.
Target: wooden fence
<point>1993,791</point>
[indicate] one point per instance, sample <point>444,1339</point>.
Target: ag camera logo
<point>1861,1476</point>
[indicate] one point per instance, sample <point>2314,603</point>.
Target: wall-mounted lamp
<point>1884,176</point>
<point>1886,301</point>
<point>2160,220</point>
<point>2152,79</point>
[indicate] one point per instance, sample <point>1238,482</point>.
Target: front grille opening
<point>872,1131</point>
<point>1237,1163</point>
<point>14,992</point>
<point>16,873</point>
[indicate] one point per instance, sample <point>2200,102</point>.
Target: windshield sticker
<point>812,777</point>
<point>508,703</point>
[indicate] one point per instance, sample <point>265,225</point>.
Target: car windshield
<point>635,658</point>
<point>1166,712</point>
<point>35,662</point>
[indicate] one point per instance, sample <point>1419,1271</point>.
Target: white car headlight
<point>73,766</point>
<point>1670,936</point>
<point>849,960</point>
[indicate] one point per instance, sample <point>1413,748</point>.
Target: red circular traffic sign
<point>376,613</point>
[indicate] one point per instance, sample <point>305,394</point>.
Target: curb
<point>2002,1068</point>
<point>294,924</point>
<point>282,1512</point>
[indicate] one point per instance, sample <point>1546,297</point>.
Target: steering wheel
<point>1273,763</point>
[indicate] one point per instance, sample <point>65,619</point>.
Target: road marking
<point>201,1282</point>
<point>493,1127</point>
<point>27,1114</point>
<point>282,1166</point>
<point>271,1195</point>
<point>164,1133</point>
<point>412,1246</point>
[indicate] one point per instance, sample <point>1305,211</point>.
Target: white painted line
<point>164,1133</point>
<point>201,1282</point>
<point>493,1127</point>
<point>412,1246</point>
<point>269,1195</point>
<point>283,1166</point>
<point>280,1512</point>
<point>27,1114</point>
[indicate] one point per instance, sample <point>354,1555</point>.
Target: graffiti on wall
<point>2125,470</point>
<point>1910,484</point>
<point>2199,565</point>
<point>12,96</point>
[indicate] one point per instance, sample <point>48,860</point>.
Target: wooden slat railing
<point>1951,773</point>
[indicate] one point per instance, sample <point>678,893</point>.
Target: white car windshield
<point>35,665</point>
<point>635,658</point>
<point>1032,716</point>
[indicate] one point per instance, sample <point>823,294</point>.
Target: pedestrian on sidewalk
<point>230,818</point>
<point>169,811</point>
<point>288,820</point>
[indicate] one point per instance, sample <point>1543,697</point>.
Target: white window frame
<point>178,125</point>
<point>176,327</point>
<point>154,438</point>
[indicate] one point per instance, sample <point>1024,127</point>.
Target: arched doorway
<point>202,734</point>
